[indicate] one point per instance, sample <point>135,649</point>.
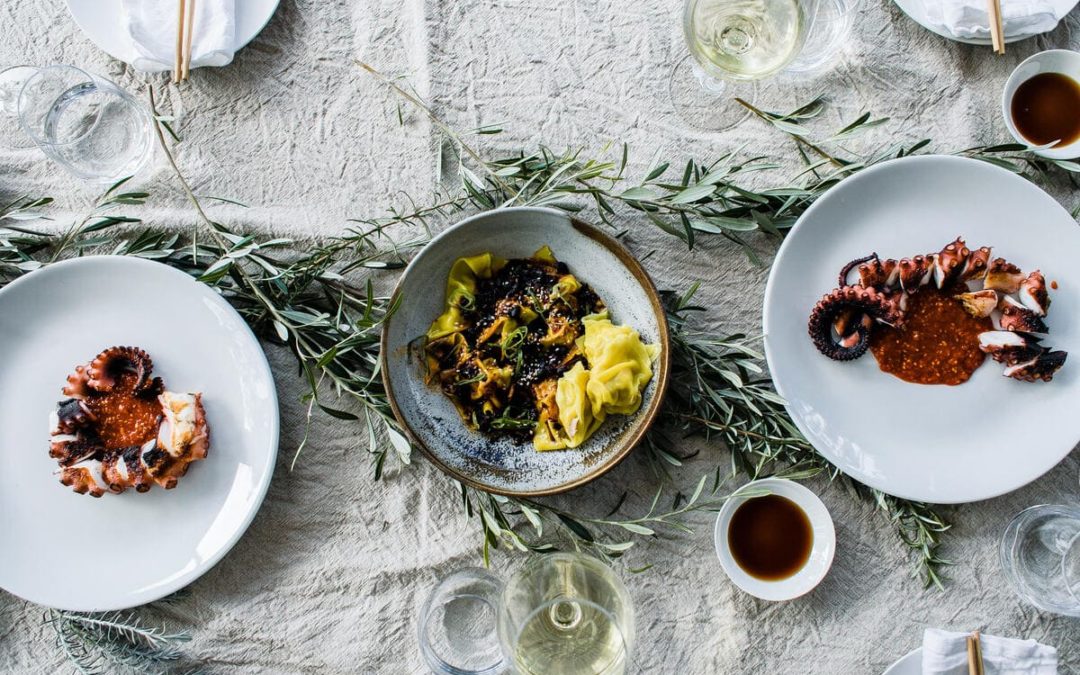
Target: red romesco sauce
<point>124,419</point>
<point>938,343</point>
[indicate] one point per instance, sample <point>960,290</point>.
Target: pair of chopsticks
<point>974,651</point>
<point>997,32</point>
<point>185,23</point>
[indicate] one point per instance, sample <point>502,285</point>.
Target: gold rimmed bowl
<point>504,466</point>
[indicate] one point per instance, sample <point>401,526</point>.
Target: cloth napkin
<point>151,25</point>
<point>945,653</point>
<point>971,18</point>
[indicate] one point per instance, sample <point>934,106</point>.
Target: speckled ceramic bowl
<point>430,419</point>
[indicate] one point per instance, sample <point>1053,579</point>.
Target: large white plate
<point>100,20</point>
<point>916,11</point>
<point>71,551</point>
<point>937,444</point>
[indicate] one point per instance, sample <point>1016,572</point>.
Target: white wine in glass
<point>744,39</point>
<point>567,613</point>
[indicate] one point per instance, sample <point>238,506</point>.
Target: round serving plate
<point>100,20</point>
<point>916,11</point>
<point>935,444</point>
<point>75,552</point>
<point>429,417</point>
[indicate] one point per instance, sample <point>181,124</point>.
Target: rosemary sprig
<point>110,642</point>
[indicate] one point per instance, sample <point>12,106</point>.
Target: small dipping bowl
<point>821,551</point>
<point>1061,61</point>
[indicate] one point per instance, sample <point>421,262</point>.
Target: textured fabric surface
<point>333,571</point>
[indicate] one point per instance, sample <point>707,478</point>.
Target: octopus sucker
<point>1041,367</point>
<point>1003,276</point>
<point>1033,293</point>
<point>915,272</point>
<point>842,323</point>
<point>1015,316</point>
<point>950,262</point>
<point>976,265</point>
<point>72,415</point>
<point>121,428</point>
<point>77,384</point>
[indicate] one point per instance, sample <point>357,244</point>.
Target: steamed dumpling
<point>576,421</point>
<point>575,407</point>
<point>620,366</point>
<point>461,289</point>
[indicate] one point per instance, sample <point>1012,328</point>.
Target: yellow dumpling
<point>460,289</point>
<point>575,413</point>
<point>620,365</point>
<point>575,409</point>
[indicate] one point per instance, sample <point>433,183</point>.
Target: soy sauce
<point>1046,108</point>
<point>770,537</point>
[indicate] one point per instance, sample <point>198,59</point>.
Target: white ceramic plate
<point>100,20</point>
<point>429,417</point>
<point>72,551</point>
<point>910,664</point>
<point>937,444</point>
<point>916,11</point>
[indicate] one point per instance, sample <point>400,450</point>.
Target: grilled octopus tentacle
<point>105,370</point>
<point>93,458</point>
<point>866,301</point>
<point>846,271</point>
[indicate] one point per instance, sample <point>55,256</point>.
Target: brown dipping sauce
<point>938,344</point>
<point>123,418</point>
<point>1046,108</point>
<point>770,537</point>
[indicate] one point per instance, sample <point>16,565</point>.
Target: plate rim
<point>661,376</point>
<point>903,660</point>
<point>188,578</point>
<point>770,291</point>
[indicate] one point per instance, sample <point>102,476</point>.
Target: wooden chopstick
<point>188,34</point>
<point>178,67</point>
<point>997,31</point>
<point>974,651</point>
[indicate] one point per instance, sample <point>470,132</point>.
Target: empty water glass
<point>1040,555</point>
<point>94,129</point>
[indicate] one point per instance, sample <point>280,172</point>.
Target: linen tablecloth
<point>333,571</point>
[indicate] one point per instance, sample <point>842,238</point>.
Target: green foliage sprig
<point>100,643</point>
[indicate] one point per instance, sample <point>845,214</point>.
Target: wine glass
<point>88,125</point>
<point>1040,556</point>
<point>562,613</point>
<point>734,44</point>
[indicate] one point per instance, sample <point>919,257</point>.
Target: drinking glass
<point>1040,555</point>
<point>734,44</point>
<point>91,127</point>
<point>564,613</point>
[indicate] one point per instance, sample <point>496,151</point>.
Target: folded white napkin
<point>971,18</point>
<point>151,25</point>
<point>945,653</point>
